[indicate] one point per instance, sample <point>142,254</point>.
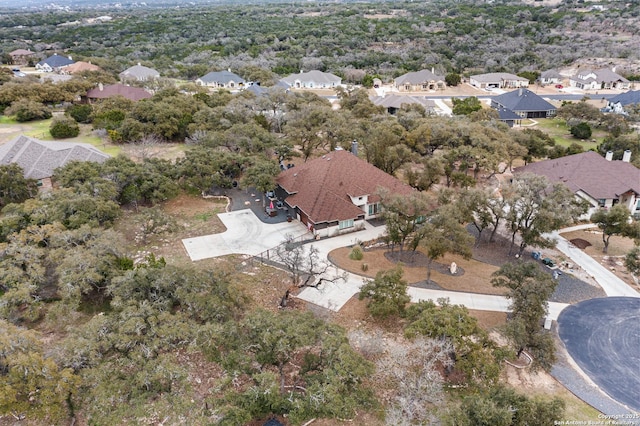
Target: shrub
<point>64,127</point>
<point>581,131</point>
<point>356,253</point>
<point>80,113</point>
<point>28,110</point>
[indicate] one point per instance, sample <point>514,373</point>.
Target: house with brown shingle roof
<point>39,158</point>
<point>21,56</point>
<point>335,193</point>
<point>602,181</point>
<point>103,92</point>
<point>80,66</point>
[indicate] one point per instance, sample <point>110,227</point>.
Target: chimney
<point>433,70</point>
<point>100,87</point>
<point>609,156</point>
<point>229,69</point>
<point>354,147</point>
<point>70,58</point>
<point>520,92</point>
<point>138,63</point>
<point>626,157</point>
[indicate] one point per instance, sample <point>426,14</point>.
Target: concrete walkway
<point>611,284</point>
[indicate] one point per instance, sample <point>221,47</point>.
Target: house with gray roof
<point>139,73</point>
<point>392,103</point>
<point>550,77</point>
<point>599,79</point>
<point>222,80</point>
<point>54,62</point>
<point>509,117</point>
<point>602,181</point>
<point>524,103</point>
<point>498,80</point>
<point>420,81</point>
<point>312,80</point>
<point>618,103</point>
<point>39,158</point>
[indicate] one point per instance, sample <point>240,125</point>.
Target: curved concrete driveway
<point>603,337</point>
<point>245,234</point>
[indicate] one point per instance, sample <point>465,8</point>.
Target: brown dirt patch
<point>580,243</point>
<point>614,259</point>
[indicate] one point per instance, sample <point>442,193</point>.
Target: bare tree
<point>144,148</point>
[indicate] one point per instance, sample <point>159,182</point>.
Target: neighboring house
<point>139,73</point>
<point>618,103</point>
<point>80,66</point>
<point>222,79</point>
<point>524,103</point>
<point>312,80</point>
<point>509,117</point>
<point>550,77</point>
<point>103,92</point>
<point>599,180</point>
<point>21,56</point>
<point>599,79</point>
<point>39,158</point>
<point>335,193</point>
<point>54,62</point>
<point>498,80</point>
<point>420,81</point>
<point>395,102</point>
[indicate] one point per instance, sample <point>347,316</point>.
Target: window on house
<point>425,87</point>
<point>421,219</point>
<point>601,202</point>
<point>374,209</point>
<point>344,224</point>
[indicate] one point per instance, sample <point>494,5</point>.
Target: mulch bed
<point>580,243</point>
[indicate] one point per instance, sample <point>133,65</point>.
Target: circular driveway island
<point>603,337</point>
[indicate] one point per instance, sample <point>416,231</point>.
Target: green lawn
<point>558,130</point>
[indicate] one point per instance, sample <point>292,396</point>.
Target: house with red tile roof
<point>335,193</point>
<point>103,92</point>
<point>602,181</point>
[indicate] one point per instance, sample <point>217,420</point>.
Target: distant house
<point>39,158</point>
<point>139,73</point>
<point>335,193</point>
<point>498,80</point>
<point>599,79</point>
<point>312,80</point>
<point>55,63</point>
<point>393,103</point>
<point>80,66</point>
<point>419,81</point>
<point>599,180</point>
<point>550,77</point>
<point>21,56</point>
<point>509,117</point>
<point>103,92</point>
<point>524,103</point>
<point>618,103</point>
<point>222,79</point>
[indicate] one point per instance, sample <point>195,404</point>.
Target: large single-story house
<point>21,56</point>
<point>550,77</point>
<point>599,79</point>
<point>80,66</point>
<point>39,158</point>
<point>335,193</point>
<point>103,92</point>
<point>222,79</point>
<point>54,62</point>
<point>312,80</point>
<point>393,103</point>
<point>602,181</point>
<point>618,103</point>
<point>524,103</point>
<point>139,73</point>
<point>419,81</point>
<point>498,80</point>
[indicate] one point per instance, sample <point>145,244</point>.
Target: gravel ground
<point>573,290</point>
<point>584,389</point>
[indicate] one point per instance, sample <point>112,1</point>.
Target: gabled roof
<point>21,52</point>
<point>604,75</point>
<point>497,76</point>
<point>56,61</point>
<point>396,101</point>
<point>133,93</point>
<point>39,158</point>
<point>550,74</point>
<point>81,66</point>
<point>506,114</point>
<point>418,77</point>
<point>322,188</point>
<point>522,100</point>
<point>221,77</point>
<point>313,76</point>
<point>139,72</point>
<point>589,172</point>
<point>631,97</point>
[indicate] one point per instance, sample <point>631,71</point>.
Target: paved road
<point>603,337</point>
